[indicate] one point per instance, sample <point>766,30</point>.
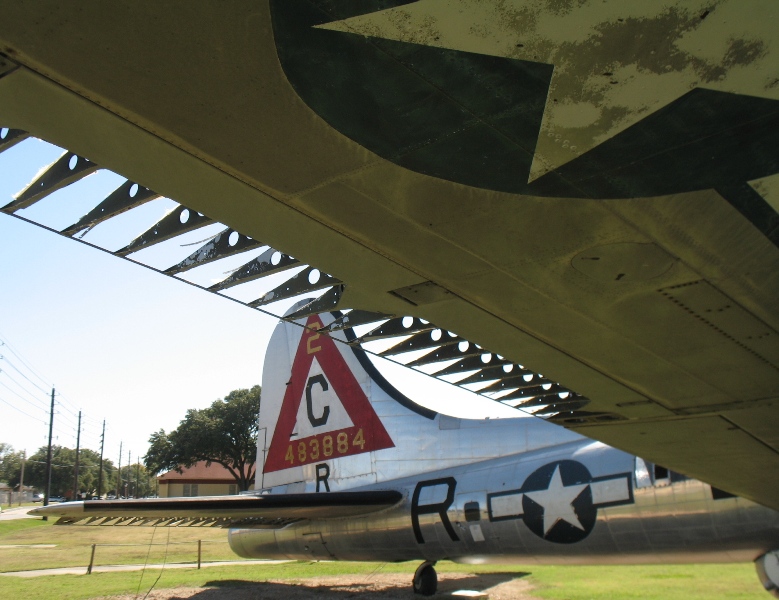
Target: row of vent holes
<point>314,276</point>
<point>408,322</point>
<point>509,368</point>
<point>437,334</point>
<point>185,214</point>
<point>486,358</point>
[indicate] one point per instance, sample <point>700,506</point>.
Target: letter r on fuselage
<point>438,508</point>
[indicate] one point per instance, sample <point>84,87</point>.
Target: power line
<point>64,399</point>
<point>32,395</point>
<point>68,406</point>
<point>15,368</point>
<point>58,431</point>
<point>23,398</point>
<point>67,417</point>
<point>96,422</point>
<point>83,466</point>
<point>63,402</point>
<point>4,342</point>
<point>21,411</point>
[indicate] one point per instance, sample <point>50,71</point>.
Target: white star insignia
<point>601,84</point>
<point>557,501</point>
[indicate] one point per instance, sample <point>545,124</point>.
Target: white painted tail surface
<point>328,414</point>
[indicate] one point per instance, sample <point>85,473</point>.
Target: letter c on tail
<point>321,420</point>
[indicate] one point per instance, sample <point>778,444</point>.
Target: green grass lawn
<point>115,545</point>
<point>661,582</point>
<point>10,527</point>
<point>672,582</point>
<point>688,582</point>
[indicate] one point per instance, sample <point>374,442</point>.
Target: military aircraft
<point>354,470</point>
<point>587,188</point>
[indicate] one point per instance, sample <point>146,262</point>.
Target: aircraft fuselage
<point>576,503</point>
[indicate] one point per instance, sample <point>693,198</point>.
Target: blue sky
<point>119,342</point>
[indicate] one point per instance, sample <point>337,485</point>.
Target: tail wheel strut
<point>425,579</point>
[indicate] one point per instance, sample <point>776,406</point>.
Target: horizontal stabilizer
<point>271,510</point>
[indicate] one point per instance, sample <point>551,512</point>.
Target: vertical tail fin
<point>329,420</point>
<point>325,408</point>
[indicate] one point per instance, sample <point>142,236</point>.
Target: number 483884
<point>323,446</point>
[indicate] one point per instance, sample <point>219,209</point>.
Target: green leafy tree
<point>63,461</point>
<point>137,481</point>
<point>109,477</point>
<point>224,433</point>
<point>89,472</point>
<point>10,464</point>
<point>63,465</point>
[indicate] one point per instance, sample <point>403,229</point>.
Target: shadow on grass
<point>353,587</point>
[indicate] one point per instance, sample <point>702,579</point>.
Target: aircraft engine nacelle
<point>256,543</point>
<point>767,567</point>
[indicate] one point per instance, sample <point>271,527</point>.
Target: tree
<point>10,464</point>
<point>63,464</point>
<point>224,433</point>
<point>63,461</point>
<point>136,481</point>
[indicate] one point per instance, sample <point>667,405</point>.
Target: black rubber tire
<point>425,581</point>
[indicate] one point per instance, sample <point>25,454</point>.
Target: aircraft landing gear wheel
<point>425,579</point>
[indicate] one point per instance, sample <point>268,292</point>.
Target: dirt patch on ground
<point>496,586</point>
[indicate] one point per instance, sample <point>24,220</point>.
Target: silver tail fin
<point>329,420</point>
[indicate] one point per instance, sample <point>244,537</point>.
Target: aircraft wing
<point>591,193</point>
<point>272,510</point>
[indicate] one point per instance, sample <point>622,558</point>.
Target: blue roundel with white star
<point>557,502</point>
<point>509,120</point>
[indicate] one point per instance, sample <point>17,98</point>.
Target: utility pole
<point>137,475</point>
<point>100,473</point>
<point>78,449</point>
<point>119,475</point>
<point>21,477</point>
<point>129,470</point>
<point>47,491</point>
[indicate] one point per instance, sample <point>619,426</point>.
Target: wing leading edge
<point>273,510</point>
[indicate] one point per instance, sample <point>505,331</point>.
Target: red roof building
<point>198,480</point>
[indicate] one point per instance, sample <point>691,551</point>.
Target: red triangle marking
<point>367,432</point>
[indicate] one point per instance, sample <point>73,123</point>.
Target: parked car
<point>56,499</point>
<point>37,498</point>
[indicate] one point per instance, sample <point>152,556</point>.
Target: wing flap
<point>248,522</point>
<point>271,510</point>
